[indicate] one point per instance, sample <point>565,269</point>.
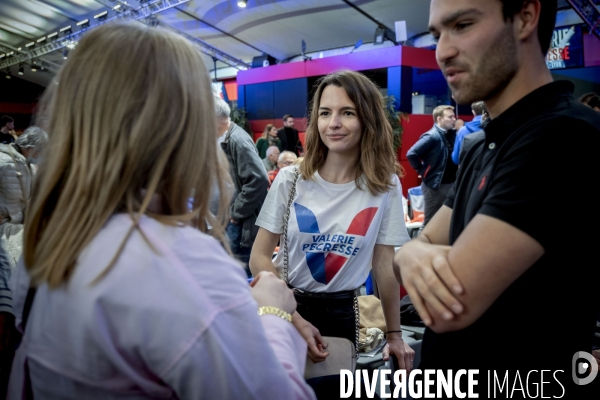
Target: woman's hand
<point>269,290</point>
<point>403,352</point>
<point>313,338</point>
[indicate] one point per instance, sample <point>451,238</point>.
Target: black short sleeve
<point>524,186</point>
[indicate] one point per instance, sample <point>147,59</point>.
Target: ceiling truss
<point>146,13</point>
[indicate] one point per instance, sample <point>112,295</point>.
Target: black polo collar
<point>531,106</point>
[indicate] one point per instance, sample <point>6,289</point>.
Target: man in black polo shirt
<point>501,284</point>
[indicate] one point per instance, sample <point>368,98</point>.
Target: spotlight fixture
<point>382,34</point>
<point>65,53</point>
<point>242,3</point>
<point>7,74</point>
<point>84,24</point>
<point>33,68</point>
<point>19,48</point>
<point>21,70</point>
<point>117,7</point>
<point>379,36</point>
<point>30,44</point>
<point>52,35</point>
<point>102,16</point>
<point>40,40</point>
<point>66,30</point>
<point>2,56</point>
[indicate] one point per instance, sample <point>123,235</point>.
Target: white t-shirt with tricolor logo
<point>333,229</point>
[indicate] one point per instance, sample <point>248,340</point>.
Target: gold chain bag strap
<point>286,254</point>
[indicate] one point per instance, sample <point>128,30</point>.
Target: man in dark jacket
<point>7,127</point>
<point>290,140</point>
<point>430,157</point>
<point>249,178</point>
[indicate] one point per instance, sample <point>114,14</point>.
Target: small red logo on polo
<point>482,183</point>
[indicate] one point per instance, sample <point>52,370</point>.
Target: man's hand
<point>314,340</point>
<point>428,279</point>
<point>403,352</point>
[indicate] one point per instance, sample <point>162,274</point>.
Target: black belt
<point>344,294</point>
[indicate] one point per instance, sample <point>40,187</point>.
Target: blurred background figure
<point>458,124</point>
<point>269,138</point>
<point>249,179</point>
<point>17,168</point>
<point>591,100</point>
<point>478,110</point>
<point>431,155</point>
<point>286,159</point>
<point>290,140</point>
<point>7,129</point>
<point>270,161</point>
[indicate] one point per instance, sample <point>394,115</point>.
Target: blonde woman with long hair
<point>133,300</point>
<point>344,215</point>
<point>269,138</point>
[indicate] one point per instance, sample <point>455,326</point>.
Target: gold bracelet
<point>275,311</point>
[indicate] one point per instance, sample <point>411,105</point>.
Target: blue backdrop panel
<point>291,97</point>
<point>259,100</point>
<point>400,85</point>
<point>241,101</point>
<point>429,82</point>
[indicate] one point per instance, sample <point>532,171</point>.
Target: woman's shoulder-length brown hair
<point>377,160</point>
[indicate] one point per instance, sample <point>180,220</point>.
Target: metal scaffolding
<point>208,49</point>
<point>144,11</point>
<point>146,14</point>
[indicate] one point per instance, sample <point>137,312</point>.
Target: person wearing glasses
<point>286,159</point>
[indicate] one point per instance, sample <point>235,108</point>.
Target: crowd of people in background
<point>233,252</point>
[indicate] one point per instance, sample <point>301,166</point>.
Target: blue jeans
<point>242,254</point>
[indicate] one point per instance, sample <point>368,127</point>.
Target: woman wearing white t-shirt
<point>133,299</point>
<point>344,216</point>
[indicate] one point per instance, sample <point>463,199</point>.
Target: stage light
<point>7,74</point>
<point>379,36</point>
<point>102,16</point>
<point>40,40</point>
<point>242,3</point>
<point>84,24</point>
<point>382,34</point>
<point>2,56</point>
<point>30,44</point>
<point>21,71</point>
<point>52,35</point>
<point>66,30</point>
<point>33,68</point>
